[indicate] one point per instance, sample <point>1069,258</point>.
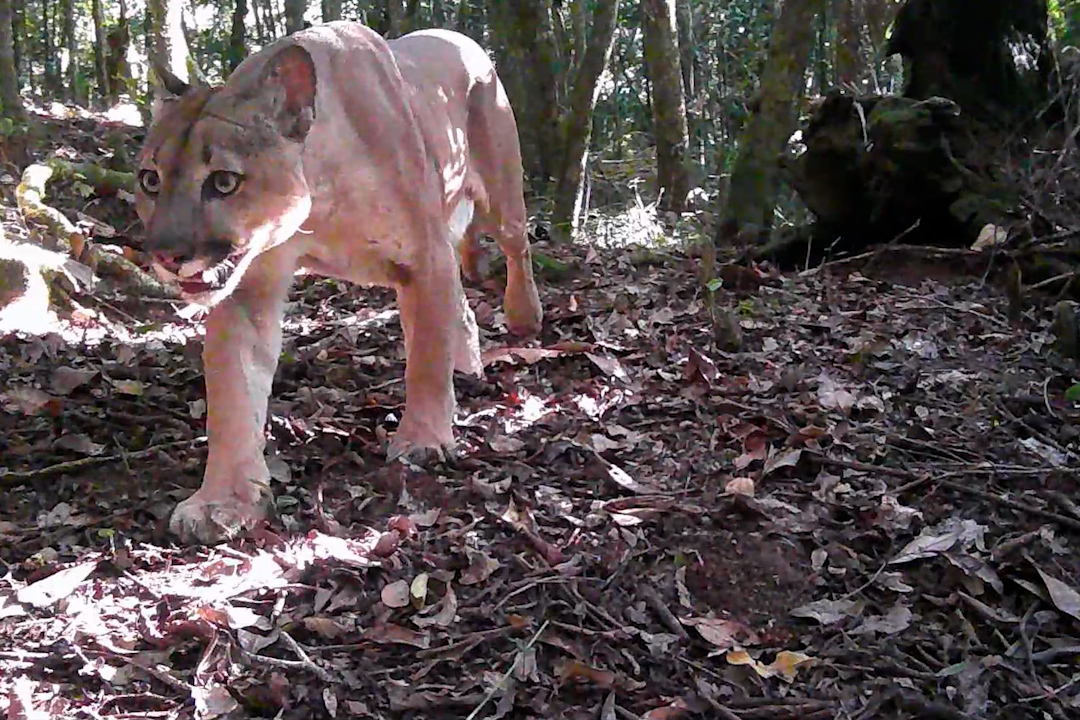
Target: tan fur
<point>356,157</point>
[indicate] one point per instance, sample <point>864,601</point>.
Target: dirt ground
<point>868,511</point>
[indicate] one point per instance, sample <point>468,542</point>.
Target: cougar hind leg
<point>467,338</point>
<point>495,155</point>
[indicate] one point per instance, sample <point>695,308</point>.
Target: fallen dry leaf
<point>1065,598</point>
<point>393,634</point>
<point>480,567</point>
<point>66,379</point>
<point>395,594</point>
<point>56,587</point>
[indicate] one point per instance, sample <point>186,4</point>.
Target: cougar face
<point>221,178</point>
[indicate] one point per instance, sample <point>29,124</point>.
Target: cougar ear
<point>293,71</point>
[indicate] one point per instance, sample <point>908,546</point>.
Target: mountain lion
<point>334,152</point>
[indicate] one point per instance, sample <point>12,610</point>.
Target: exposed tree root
<point>30,195</point>
<point>28,276</point>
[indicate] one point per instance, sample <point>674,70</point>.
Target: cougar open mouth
<point>212,278</point>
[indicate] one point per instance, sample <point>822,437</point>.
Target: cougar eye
<point>224,182</point>
<point>150,182</point>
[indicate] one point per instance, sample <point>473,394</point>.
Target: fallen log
<point>30,276</point>
<point>30,197</point>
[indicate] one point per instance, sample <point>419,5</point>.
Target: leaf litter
<point>866,511</point>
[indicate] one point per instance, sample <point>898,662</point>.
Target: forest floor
<point>868,511</point>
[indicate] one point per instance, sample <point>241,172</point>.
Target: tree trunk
<point>662,67</point>
<point>72,46</point>
<point>331,10</point>
<point>438,13</point>
<point>270,26</point>
<point>167,43</point>
<point>52,74</point>
<point>101,43</point>
<point>996,67</point>
<point>260,32</point>
<point>18,36</point>
<point>237,50</point>
<point>684,15</point>
<point>294,15</point>
<point>10,99</point>
<point>748,209</point>
<point>848,43</point>
<point>395,18</point>
<point>470,19</point>
<point>412,16</point>
<point>575,128</point>
<point>526,56</point>
<point>118,39</point>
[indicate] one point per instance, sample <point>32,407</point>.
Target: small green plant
<point>1073,393</point>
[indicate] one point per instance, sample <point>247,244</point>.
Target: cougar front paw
<point>415,447</point>
<point>210,518</point>
<point>524,314</point>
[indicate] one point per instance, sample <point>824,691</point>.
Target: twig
<point>929,708</point>
<point>925,251</point>
<point>1015,505</point>
<point>1052,280</point>
<point>1027,643</point>
<point>868,467</point>
<point>868,583</point>
<point>513,666</point>
<point>1066,502</point>
<point>304,663</point>
<point>310,664</point>
<point>653,599</point>
<point>21,477</point>
<point>960,487</point>
<point>721,711</point>
<point>1046,398</point>
<point>1002,324</point>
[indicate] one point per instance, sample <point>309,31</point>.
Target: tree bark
<point>116,65</point>
<point>10,99</point>
<point>470,19</point>
<point>438,13</point>
<point>526,56</point>
<point>748,209</point>
<point>237,50</point>
<point>412,16</point>
<point>71,44</point>
<point>395,18</point>
<point>270,25</point>
<point>101,43</point>
<point>18,36</point>
<point>167,43</point>
<point>684,15</point>
<point>331,10</point>
<point>848,42</point>
<point>260,31</point>
<point>52,75</point>
<point>663,68</point>
<point>294,15</point>
<point>575,128</point>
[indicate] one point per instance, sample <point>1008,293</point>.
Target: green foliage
<point>11,128</point>
<point>1073,393</point>
<point>729,40</point>
<point>1064,21</point>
